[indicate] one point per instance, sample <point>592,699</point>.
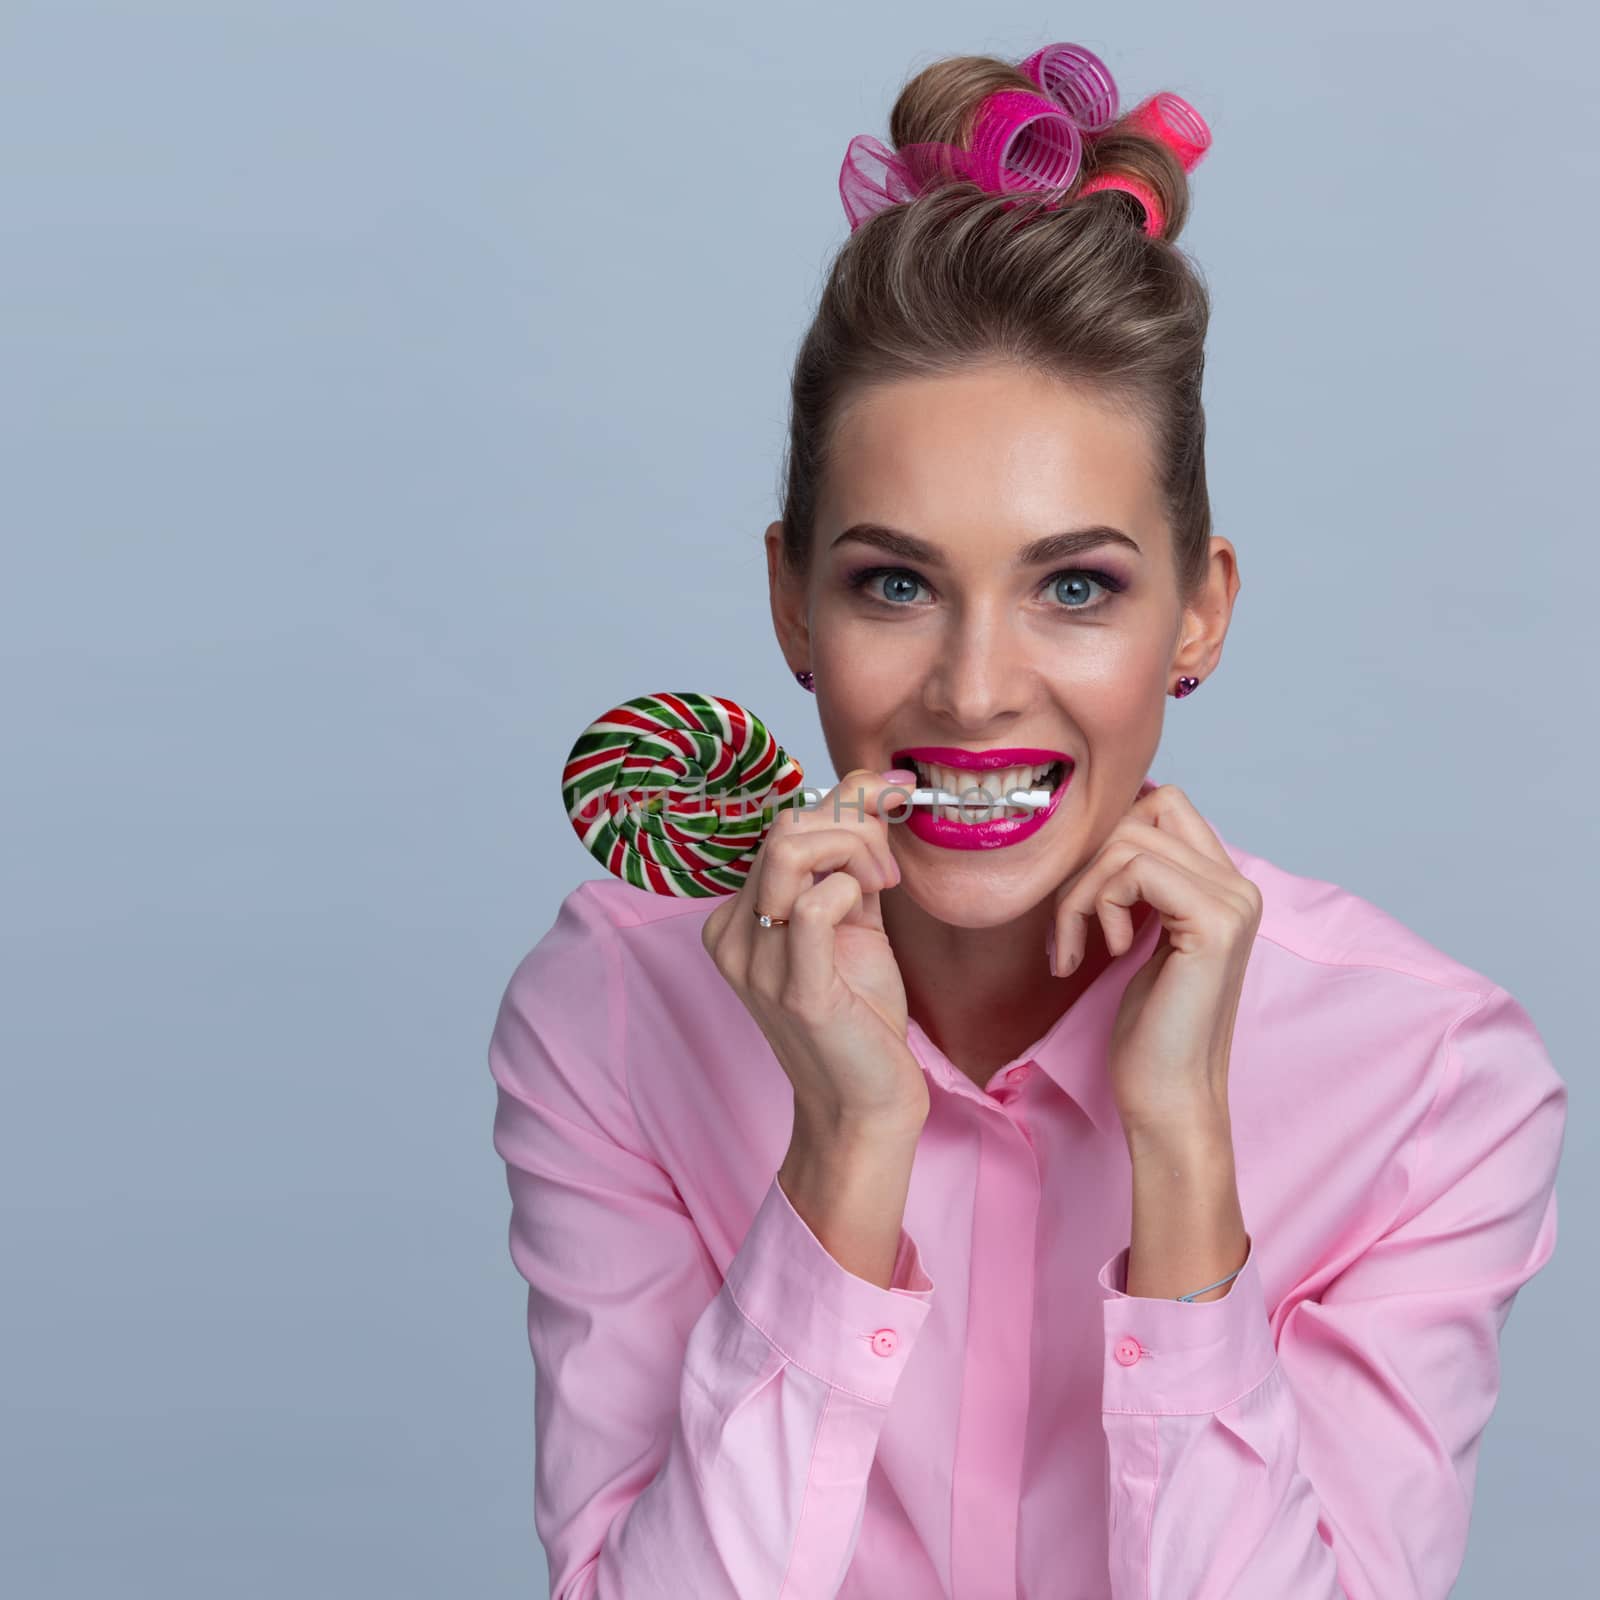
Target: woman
<point>1066,1203</point>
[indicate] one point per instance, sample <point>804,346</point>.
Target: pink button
<point>884,1341</point>
<point>1127,1350</point>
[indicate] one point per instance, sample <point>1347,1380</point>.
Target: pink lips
<point>980,760</point>
<point>1002,831</point>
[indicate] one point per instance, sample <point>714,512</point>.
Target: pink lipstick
<point>1001,831</point>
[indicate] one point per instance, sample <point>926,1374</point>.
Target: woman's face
<point>945,631</point>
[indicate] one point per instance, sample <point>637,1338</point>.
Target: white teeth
<point>976,806</point>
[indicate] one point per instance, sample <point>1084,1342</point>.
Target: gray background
<point>390,388</point>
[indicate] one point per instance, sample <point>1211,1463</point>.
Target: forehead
<point>993,447</point>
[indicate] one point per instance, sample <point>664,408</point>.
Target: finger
<point>1074,908</point>
<point>717,919</point>
<point>812,980</point>
<point>866,800</point>
<point>859,793</point>
<point>1186,905</point>
<point>862,802</point>
<point>753,893</point>
<point>793,861</point>
<point>1147,832</point>
<point>725,915</point>
<point>728,929</point>
<point>1082,900</point>
<point>1174,812</point>
<point>1184,835</point>
<point>792,865</point>
<point>1140,831</point>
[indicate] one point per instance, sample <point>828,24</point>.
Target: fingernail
<point>900,775</point>
<point>1050,951</point>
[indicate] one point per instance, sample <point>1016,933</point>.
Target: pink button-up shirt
<point>722,1409</point>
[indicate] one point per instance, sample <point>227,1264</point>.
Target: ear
<point>1205,621</point>
<point>788,598</point>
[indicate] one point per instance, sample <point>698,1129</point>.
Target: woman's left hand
<point>1174,1031</point>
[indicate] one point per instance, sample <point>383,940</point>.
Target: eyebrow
<point>1053,547</point>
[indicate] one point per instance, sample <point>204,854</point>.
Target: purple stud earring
<point>1185,686</point>
<point>807,680</point>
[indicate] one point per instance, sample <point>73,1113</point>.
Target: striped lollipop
<point>674,793</point>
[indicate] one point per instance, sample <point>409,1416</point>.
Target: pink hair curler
<point>1078,81</point>
<point>1022,141</point>
<point>1176,124</point>
<point>1025,141</point>
<point>1171,119</point>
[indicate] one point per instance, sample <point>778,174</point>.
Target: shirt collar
<point>1074,1050</point>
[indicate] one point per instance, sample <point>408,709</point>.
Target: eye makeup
<point>857,579</point>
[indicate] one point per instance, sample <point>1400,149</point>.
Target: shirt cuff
<point>844,1329</point>
<point>1175,1357</point>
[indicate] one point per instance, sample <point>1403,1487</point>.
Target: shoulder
<point>618,1010</point>
<point>1327,926</point>
<point>590,955</point>
<point>559,1030</point>
<point>609,948</point>
<point>623,906</point>
<point>1381,1011</point>
<point>1321,942</point>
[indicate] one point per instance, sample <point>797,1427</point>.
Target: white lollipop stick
<point>1025,799</point>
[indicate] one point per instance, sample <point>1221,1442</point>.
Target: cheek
<point>868,666</point>
<point>856,697</point>
<point>1111,677</point>
<point>853,716</point>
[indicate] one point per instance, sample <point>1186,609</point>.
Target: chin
<point>975,898</point>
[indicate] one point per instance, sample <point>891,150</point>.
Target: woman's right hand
<point>826,990</point>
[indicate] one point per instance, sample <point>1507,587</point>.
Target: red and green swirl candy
<point>674,793</point>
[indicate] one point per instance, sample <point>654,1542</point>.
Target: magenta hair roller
<point>1025,141</point>
<point>1078,81</point>
<point>1176,124</point>
<point>1171,119</point>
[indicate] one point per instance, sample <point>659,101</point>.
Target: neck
<point>982,995</point>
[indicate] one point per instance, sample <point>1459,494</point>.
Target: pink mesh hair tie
<point>873,177</point>
<point>1022,141</point>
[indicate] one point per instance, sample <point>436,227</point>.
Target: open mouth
<point>982,794</point>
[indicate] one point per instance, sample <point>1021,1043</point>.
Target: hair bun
<point>1151,148</point>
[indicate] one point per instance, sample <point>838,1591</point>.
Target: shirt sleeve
<point>696,1433</point>
<point>1329,1452</point>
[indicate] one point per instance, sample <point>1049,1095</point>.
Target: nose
<point>980,678</point>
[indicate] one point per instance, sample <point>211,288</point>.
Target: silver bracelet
<point>1217,1285</point>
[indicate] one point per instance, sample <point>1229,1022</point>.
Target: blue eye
<point>1062,579</point>
<point>896,575</point>
<point>907,583</point>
